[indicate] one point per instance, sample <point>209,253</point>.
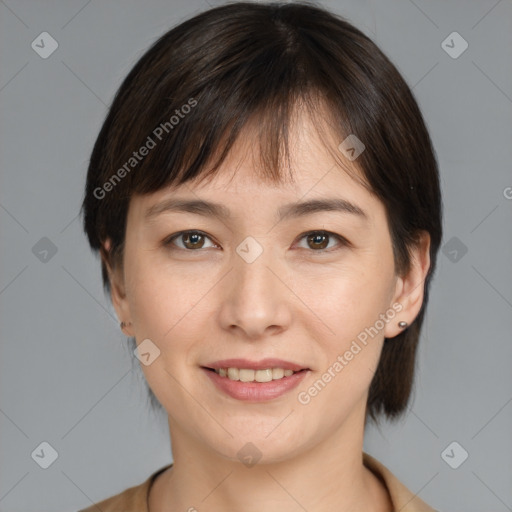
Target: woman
<point>265,199</point>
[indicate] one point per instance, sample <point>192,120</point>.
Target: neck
<point>329,476</point>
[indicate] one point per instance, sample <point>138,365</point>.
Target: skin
<point>293,302</point>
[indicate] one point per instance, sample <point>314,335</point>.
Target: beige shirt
<point>135,499</point>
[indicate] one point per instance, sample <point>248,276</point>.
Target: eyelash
<point>169,241</point>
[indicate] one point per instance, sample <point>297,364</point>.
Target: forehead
<point>316,169</point>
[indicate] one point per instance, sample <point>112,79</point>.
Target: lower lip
<point>256,391</point>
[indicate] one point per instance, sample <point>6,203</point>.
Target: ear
<point>409,288</point>
<point>117,288</point>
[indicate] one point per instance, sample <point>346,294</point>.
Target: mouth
<point>263,370</point>
<point>250,375</point>
<point>255,380</point>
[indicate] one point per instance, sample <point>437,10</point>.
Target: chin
<point>251,447</point>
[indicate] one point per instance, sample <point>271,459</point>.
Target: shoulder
<point>401,497</point>
<point>133,499</point>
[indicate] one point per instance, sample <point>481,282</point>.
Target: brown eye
<point>193,240</point>
<point>319,241</point>
<point>190,240</point>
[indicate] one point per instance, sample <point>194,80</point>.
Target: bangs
<point>247,73</point>
<point>186,102</point>
<point>194,145</point>
<point>265,135</point>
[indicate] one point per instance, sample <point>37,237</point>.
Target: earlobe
<point>409,290</point>
<point>117,289</point>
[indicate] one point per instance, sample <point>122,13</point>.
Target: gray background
<point>67,377</point>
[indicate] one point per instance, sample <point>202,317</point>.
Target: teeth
<point>248,375</point>
<point>233,374</point>
<point>277,373</point>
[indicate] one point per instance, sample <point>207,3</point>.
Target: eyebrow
<point>299,209</point>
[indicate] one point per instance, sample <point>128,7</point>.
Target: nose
<point>256,300</point>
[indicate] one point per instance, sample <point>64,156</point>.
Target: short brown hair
<point>204,80</point>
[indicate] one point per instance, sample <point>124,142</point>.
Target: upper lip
<point>262,364</point>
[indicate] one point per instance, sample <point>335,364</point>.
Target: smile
<point>249,375</point>
<point>243,384</point>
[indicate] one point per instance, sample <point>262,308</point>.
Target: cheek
<point>350,303</point>
<point>171,307</point>
<point>159,294</point>
<point>163,303</point>
<point>349,299</point>
<point>350,343</point>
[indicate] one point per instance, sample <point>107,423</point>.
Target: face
<point>311,287</point>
